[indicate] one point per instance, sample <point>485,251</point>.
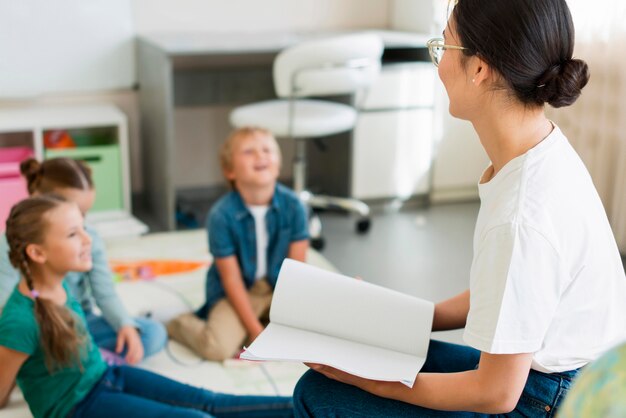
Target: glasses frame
<point>439,43</point>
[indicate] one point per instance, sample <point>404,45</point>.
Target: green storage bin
<point>91,137</point>
<point>106,167</point>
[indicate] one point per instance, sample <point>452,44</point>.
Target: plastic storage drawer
<point>12,184</point>
<point>106,169</point>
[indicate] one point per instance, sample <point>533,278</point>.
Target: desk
<point>205,68</point>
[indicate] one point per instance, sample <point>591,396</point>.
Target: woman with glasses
<point>547,287</point>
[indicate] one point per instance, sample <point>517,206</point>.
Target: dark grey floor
<point>425,252</point>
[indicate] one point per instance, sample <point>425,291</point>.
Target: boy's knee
<point>202,338</point>
<point>212,349</point>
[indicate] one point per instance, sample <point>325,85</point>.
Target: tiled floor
<point>426,252</point>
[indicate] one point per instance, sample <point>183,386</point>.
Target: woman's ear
<point>480,71</point>
<point>36,253</point>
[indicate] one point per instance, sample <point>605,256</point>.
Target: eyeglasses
<point>436,47</point>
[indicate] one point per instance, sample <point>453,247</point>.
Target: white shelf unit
<point>21,125</point>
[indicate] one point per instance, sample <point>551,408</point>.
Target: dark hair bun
<point>561,84</point>
<point>31,169</point>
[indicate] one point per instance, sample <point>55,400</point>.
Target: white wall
<point>459,157</point>
<point>255,15</point>
<point>413,15</point>
<point>61,46</point>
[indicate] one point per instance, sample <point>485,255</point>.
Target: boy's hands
<point>128,337</point>
<point>253,333</point>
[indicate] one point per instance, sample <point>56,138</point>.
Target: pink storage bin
<point>12,184</point>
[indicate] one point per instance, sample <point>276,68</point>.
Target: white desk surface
<point>236,43</point>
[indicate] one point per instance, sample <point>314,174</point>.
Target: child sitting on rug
<point>115,330</point>
<point>251,230</point>
<point>45,345</point>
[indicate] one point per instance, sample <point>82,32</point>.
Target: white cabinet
<point>96,135</point>
<point>393,140</point>
<point>460,158</point>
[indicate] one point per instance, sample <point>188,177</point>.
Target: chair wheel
<point>363,225</point>
<point>318,243</point>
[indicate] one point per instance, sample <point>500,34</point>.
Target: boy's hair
<point>62,172</point>
<point>59,328</point>
<point>226,152</point>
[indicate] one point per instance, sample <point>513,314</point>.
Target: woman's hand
<point>344,377</point>
<point>255,332</point>
<point>494,388</point>
<point>128,337</point>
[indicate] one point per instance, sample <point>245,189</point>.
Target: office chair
<point>324,67</point>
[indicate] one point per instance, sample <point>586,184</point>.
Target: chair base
<point>315,232</point>
<point>344,204</point>
<point>340,203</point>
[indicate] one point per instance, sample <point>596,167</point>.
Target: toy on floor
<point>150,269</point>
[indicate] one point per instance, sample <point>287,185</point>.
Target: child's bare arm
<point>10,363</point>
<point>232,281</point>
<point>297,250</point>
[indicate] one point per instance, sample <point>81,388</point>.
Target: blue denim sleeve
<point>300,225</point>
<point>221,238</point>
<point>9,276</point>
<point>100,280</point>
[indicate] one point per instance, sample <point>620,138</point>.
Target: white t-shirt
<point>546,276</point>
<point>260,226</point>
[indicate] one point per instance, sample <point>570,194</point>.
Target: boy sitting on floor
<point>252,229</point>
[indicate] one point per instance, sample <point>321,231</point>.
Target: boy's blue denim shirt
<point>231,231</point>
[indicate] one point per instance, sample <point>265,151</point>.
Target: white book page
<point>282,343</point>
<point>313,299</point>
<point>324,317</point>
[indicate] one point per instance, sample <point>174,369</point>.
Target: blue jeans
<point>152,333</point>
<point>126,391</point>
<point>317,396</point>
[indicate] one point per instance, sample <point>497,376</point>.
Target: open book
<point>358,327</point>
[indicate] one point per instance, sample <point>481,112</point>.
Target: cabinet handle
<point>90,159</point>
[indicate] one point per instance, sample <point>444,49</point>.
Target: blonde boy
<point>251,230</point>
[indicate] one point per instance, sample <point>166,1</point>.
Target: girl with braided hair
<point>44,341</point>
<point>114,330</point>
